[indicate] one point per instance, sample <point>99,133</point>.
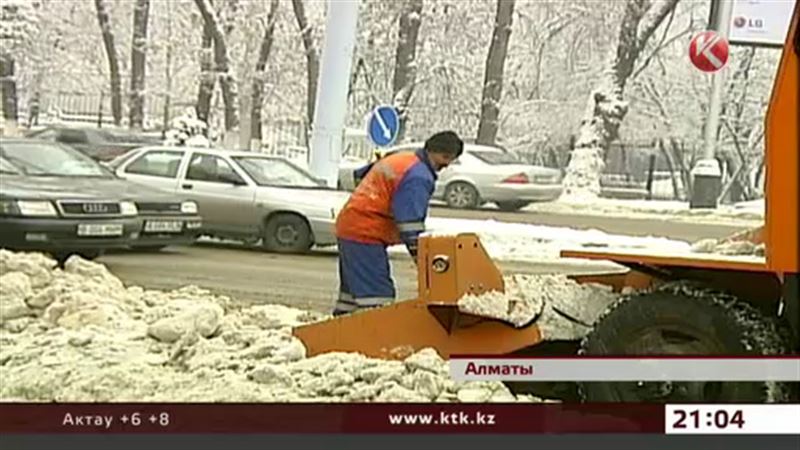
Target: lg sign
<point>708,51</point>
<point>742,22</point>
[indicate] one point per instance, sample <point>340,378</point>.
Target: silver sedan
<point>482,174</point>
<point>242,195</point>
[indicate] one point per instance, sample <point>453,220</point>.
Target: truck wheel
<point>512,205</point>
<point>683,319</point>
<point>461,195</point>
<point>287,233</point>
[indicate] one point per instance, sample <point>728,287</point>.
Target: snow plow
<point>687,304</point>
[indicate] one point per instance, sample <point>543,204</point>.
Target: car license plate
<point>100,229</point>
<point>163,226</point>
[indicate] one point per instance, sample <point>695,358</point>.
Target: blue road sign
<point>383,126</point>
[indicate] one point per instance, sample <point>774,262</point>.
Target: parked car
<point>242,195</point>
<point>101,144</point>
<point>57,200</point>
<point>483,174</point>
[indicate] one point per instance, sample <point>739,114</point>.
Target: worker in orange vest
<point>388,207</point>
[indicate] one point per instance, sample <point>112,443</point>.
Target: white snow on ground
<point>78,334</point>
<point>534,243</point>
<point>751,213</point>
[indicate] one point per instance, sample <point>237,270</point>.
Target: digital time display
<point>732,419</point>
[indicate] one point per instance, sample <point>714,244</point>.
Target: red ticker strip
<point>331,418</point>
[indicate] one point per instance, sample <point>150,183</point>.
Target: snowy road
<point>251,275</point>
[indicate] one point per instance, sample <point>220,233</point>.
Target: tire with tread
<point>729,325</point>
<point>275,241</point>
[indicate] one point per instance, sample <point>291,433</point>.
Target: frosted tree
<point>187,130</point>
<point>607,107</point>
<point>222,63</point>
<point>257,95</point>
<point>115,82</point>
<point>312,57</point>
<point>208,78</point>
<point>18,24</point>
<point>405,65</point>
<point>141,13</point>
<point>493,73</point>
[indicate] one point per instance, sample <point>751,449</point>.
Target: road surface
<point>254,276</point>
<point>685,231</point>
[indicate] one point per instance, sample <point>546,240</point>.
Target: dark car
<point>98,143</point>
<point>57,200</point>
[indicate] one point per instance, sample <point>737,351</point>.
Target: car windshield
<point>495,158</point>
<point>7,167</point>
<point>275,172</point>
<point>37,158</point>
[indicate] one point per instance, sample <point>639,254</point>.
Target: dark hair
<point>446,142</point>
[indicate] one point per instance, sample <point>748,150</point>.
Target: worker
<point>388,207</point>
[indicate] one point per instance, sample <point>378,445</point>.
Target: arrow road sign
<point>708,51</point>
<point>383,126</point>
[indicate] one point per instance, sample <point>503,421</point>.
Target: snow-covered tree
<point>187,130</point>
<point>107,32</point>
<point>493,73</point>
<point>19,21</point>
<point>607,107</point>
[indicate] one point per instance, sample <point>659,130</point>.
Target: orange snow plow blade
<point>448,268</point>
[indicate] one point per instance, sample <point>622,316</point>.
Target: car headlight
<point>128,208</point>
<point>189,208</point>
<point>36,208</point>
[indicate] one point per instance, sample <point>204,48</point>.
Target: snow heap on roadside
<point>560,307</point>
<point>78,334</point>
<point>725,247</point>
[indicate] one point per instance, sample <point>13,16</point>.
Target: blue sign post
<point>383,126</point>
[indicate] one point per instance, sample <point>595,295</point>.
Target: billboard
<point>760,22</point>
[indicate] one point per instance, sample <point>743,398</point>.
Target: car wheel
<point>461,195</point>
<point>287,233</point>
<point>512,205</point>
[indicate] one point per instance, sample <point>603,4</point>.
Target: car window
<point>72,137</point>
<point>275,172</point>
<point>40,158</point>
<point>204,167</point>
<point>7,167</point>
<point>495,158</point>
<point>156,163</point>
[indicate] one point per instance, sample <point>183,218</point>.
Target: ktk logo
<point>465,419</point>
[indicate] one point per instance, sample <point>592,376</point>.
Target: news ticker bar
<point>785,369</point>
<point>732,419</point>
<point>398,418</point>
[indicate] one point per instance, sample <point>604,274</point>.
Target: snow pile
<point>533,243</point>
<point>187,130</point>
<point>724,247</point>
<point>78,334</point>
<point>560,307</point>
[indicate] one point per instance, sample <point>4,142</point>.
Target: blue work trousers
<point>365,278</point>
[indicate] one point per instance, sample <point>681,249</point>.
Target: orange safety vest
<point>367,216</point>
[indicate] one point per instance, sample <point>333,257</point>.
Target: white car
<point>482,174</point>
<point>242,195</point>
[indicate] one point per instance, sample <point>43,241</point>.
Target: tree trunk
<point>9,88</point>
<point>207,76</point>
<point>104,20</point>
<point>312,58</point>
<point>606,107</point>
<point>493,75</point>
<point>260,75</point>
<point>138,63</point>
<point>405,60</point>
<point>222,63</point>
